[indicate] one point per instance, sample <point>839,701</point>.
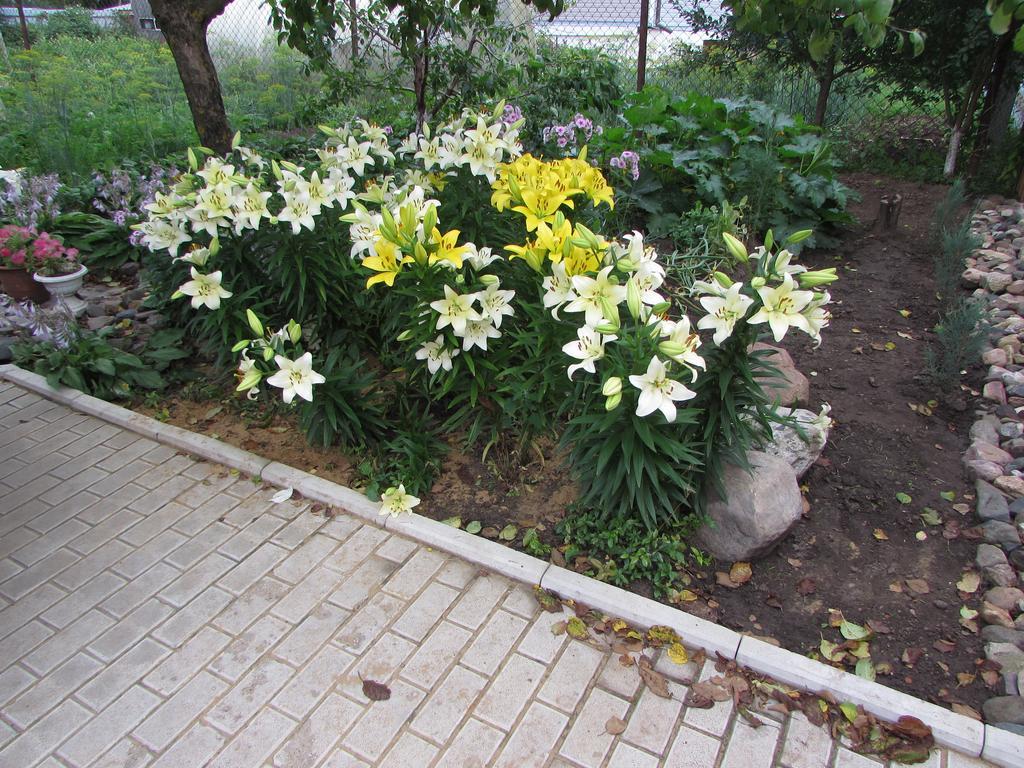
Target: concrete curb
<point>951,730</point>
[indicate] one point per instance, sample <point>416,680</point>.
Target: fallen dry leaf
<point>615,726</point>
<point>677,654</point>
<point>918,586</point>
<point>740,573</point>
<point>969,582</point>
<point>375,691</point>
<point>879,534</point>
<point>652,679</point>
<point>912,655</point>
<point>964,678</point>
<point>944,646</point>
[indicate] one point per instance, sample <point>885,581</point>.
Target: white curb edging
<point>950,730</point>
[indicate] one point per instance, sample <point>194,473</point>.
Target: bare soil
<point>858,545</point>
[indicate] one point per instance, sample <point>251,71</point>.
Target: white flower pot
<point>63,288</point>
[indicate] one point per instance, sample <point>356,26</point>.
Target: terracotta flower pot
<point>19,285</point>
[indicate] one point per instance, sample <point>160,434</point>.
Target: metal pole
<point>641,56</point>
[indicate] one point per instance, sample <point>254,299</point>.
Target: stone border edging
<point>958,732</point>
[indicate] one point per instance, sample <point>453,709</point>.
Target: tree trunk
<point>184,24</point>
<point>352,9</point>
<point>826,76</point>
<point>965,115</point>
<point>24,26</point>
<point>420,70</point>
<point>993,87</point>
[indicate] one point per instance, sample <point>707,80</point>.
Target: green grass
<point>72,105</point>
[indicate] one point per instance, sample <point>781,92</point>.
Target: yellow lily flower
<point>447,250</point>
<point>386,263</point>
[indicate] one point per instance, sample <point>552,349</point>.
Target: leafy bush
<point>775,168</point>
<point>90,363</point>
<point>621,550</point>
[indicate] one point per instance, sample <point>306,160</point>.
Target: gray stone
<point>995,356</point>
<point>1011,727</point>
<point>790,388</point>
<point>1004,709</point>
<point>1016,558</point>
<point>1011,429</point>
<point>991,502</point>
<point>125,314</point>
<point>788,445</point>
<point>982,451</point>
<point>986,430</point>
<point>997,282</point>
<point>95,323</point>
<point>1007,655</point>
<point>1003,534</point>
<point>984,470</point>
<point>1007,598</point>
<point>996,634</point>
<point>762,506</point>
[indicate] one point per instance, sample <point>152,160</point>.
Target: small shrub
<point>959,340</point>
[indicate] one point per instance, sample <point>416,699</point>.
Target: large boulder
<point>761,507</point>
<point>790,388</point>
<point>788,445</point>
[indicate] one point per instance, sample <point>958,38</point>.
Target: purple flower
<point>511,114</point>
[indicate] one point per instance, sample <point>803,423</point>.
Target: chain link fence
<point>669,53</point>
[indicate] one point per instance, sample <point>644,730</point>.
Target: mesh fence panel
<point>242,37</point>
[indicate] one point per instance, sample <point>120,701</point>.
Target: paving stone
<point>122,674</point>
<point>13,681</point>
<point>314,630</point>
<point>34,744</point>
<point>253,568</point>
<point>410,750</point>
<point>65,643</point>
<point>751,747</point>
<point>15,616</point>
<point>588,742</point>
<point>82,599</point>
<point>408,580</point>
<point>373,732</point>
<point>441,714</point>
<point>175,715</point>
<point>177,668</point>
<point>362,583</point>
<point>190,619</point>
<point>570,677</point>
<point>310,685</point>
<point>304,596</point>
<point>249,695</point>
<point>149,554</point>
<point>125,754</point>
<point>692,749</point>
<point>425,611</point>
<point>52,689</point>
<point>436,655</point>
<point>250,605</point>
<point>714,720</point>
<point>318,733</point>
<point>510,691</point>
<point>646,723</point>
<point>248,647</point>
<point>534,739</point>
<point>109,726</point>
<point>195,748</point>
<point>627,756</point>
<point>806,745</point>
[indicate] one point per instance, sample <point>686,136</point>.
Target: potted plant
<point>58,270</point>
<point>17,262</point>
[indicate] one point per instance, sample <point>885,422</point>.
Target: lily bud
<point>215,247</point>
<point>490,280</point>
<point>757,282</point>
<point>817,277</point>
<point>799,237</point>
<point>254,322</point>
<point>607,328</point>
<point>610,311</point>
<point>671,349</point>
<point>626,265</point>
<point>405,335</point>
<point>294,331</point>
<point>736,249</point>
<point>236,140</point>
<point>722,279</point>
<point>633,302</point>
<point>612,402</point>
<point>251,379</point>
<point>661,307</point>
<point>193,163</point>
<point>276,170</point>
<point>612,387</point>
<point>419,253</point>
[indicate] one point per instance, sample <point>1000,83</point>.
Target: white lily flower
<point>356,156</point>
<point>588,348</point>
<point>817,316</point>
<point>201,221</point>
<point>436,355</point>
<point>557,288</point>
<point>339,188</point>
<point>395,501</point>
<point>477,333</point>
<point>196,256</point>
<point>409,144</point>
<point>649,276</point>
<point>215,172</point>
<point>205,290</point>
<point>455,309</point>
<point>295,377</point>
<point>494,304</point>
<point>159,234</point>
<point>724,311</point>
<point>299,213</point>
<point>781,307</point>
<point>479,258</point>
<point>783,259</point>
<point>428,152</point>
<point>250,207</point>
<point>658,392</point>
<point>590,292</point>
<point>681,344</point>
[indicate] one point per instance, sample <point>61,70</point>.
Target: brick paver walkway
<point>161,611</point>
